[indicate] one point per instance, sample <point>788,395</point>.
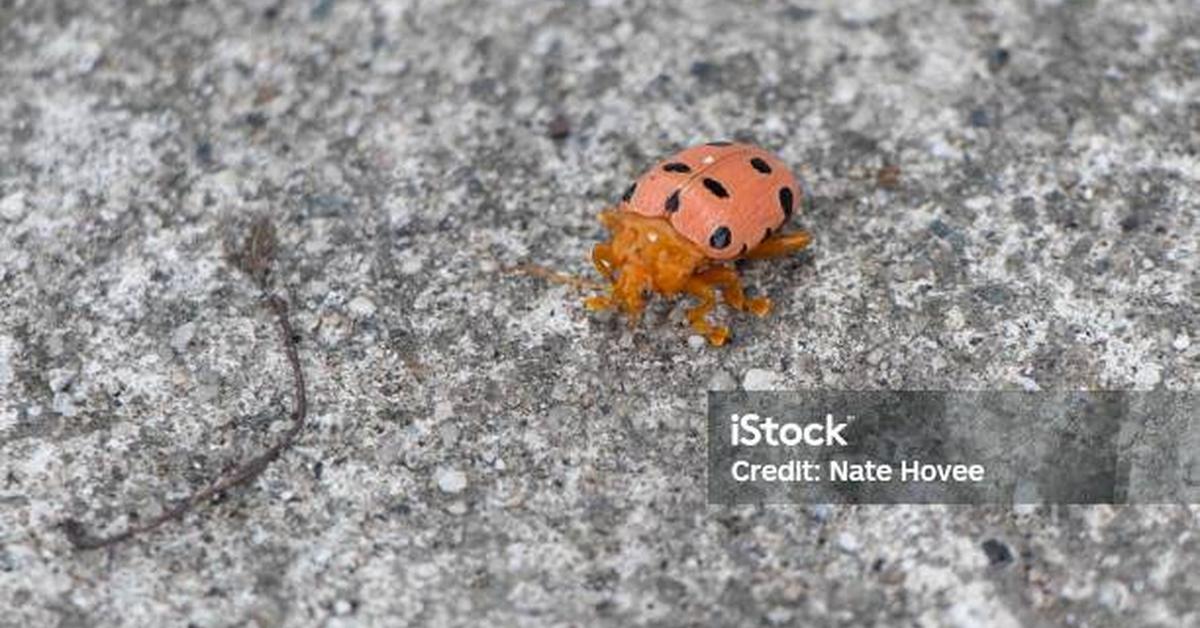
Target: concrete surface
<point>483,450</point>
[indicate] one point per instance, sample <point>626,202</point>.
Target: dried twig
<point>254,258</point>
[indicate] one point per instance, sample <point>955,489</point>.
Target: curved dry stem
<point>254,259</point>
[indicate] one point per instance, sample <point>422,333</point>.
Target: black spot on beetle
<point>768,232</point>
<point>676,166</point>
<point>672,204</point>
<point>745,248</point>
<point>720,143</point>
<point>716,188</point>
<point>760,165</point>
<point>629,193</point>
<point>785,201</point>
<point>720,238</point>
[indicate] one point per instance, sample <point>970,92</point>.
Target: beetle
<point>681,224</point>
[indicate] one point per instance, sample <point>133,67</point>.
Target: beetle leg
<point>602,259</point>
<point>625,293</point>
<point>630,291</point>
<point>730,284</point>
<point>780,244</point>
<point>703,290</point>
<point>598,303</point>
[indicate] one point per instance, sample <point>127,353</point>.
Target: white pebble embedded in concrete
<point>12,207</point>
<point>362,307</point>
<point>762,379</point>
<point>182,337</point>
<point>722,380</point>
<point>450,480</point>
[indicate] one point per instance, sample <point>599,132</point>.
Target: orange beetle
<point>679,224</point>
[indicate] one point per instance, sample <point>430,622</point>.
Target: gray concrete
<point>481,448</point>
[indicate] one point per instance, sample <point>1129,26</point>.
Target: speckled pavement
<point>482,451</point>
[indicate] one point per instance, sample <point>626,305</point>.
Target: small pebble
<point>54,345</point>
<point>696,342</point>
<point>182,337</point>
<point>779,616</point>
<point>362,307</point>
<point>12,207</point>
<point>704,70</point>
<point>1182,342</point>
<point>998,58</point>
<point>1113,595</point>
<point>450,480</point>
<point>997,552</point>
<point>59,379</point>
<point>979,119</point>
<point>449,433</point>
<point>888,177</point>
<point>559,128</point>
<point>722,380</point>
<point>411,266</point>
<point>761,379</point>
<point>1027,384</point>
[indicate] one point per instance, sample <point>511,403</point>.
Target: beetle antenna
<point>541,272</point>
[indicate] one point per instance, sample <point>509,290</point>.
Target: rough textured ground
<point>484,450</point>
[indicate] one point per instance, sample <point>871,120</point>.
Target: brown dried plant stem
<point>254,259</point>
